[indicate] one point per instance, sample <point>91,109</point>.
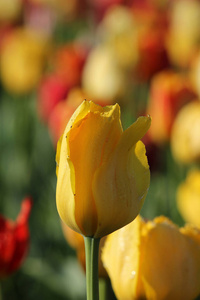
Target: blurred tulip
<point>102,172</point>
<point>184,33</point>
<point>153,260</point>
<point>68,63</point>
<point>151,28</point>
<point>76,241</point>
<point>188,198</point>
<point>51,91</point>
<point>117,32</point>
<point>185,136</point>
<point>102,78</point>
<point>10,11</point>
<point>169,91</point>
<point>14,240</point>
<point>22,60</point>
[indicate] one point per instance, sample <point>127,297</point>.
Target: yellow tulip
<point>185,135</point>
<point>183,36</point>
<point>22,60</point>
<point>118,32</point>
<point>102,171</point>
<point>154,260</point>
<point>188,198</point>
<point>102,78</point>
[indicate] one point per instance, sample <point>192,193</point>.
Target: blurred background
<point>145,55</point>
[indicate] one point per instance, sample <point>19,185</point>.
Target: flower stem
<point>92,274</point>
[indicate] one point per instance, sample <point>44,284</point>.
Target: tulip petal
<point>175,259</point>
<point>65,174</point>
<point>120,185</point>
<point>104,130</point>
<point>123,264</point>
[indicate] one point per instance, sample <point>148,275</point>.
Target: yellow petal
<point>65,173</point>
<point>121,257</point>
<point>58,154</point>
<point>121,183</point>
<point>168,264</point>
<point>154,260</point>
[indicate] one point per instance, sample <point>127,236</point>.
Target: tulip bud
<point>102,172</point>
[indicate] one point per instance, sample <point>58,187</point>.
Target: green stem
<point>92,273</point>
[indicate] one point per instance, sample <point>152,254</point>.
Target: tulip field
<point>100,150</point>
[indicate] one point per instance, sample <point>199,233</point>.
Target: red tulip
<point>14,240</point>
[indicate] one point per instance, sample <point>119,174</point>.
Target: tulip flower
<point>154,260</point>
<point>102,171</point>
<point>185,135</point>
<point>102,177</point>
<point>22,62</point>
<point>183,36</point>
<point>188,198</point>
<point>14,240</point>
<point>102,78</point>
<point>120,37</point>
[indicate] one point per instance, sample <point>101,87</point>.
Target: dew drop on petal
<point>133,274</point>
